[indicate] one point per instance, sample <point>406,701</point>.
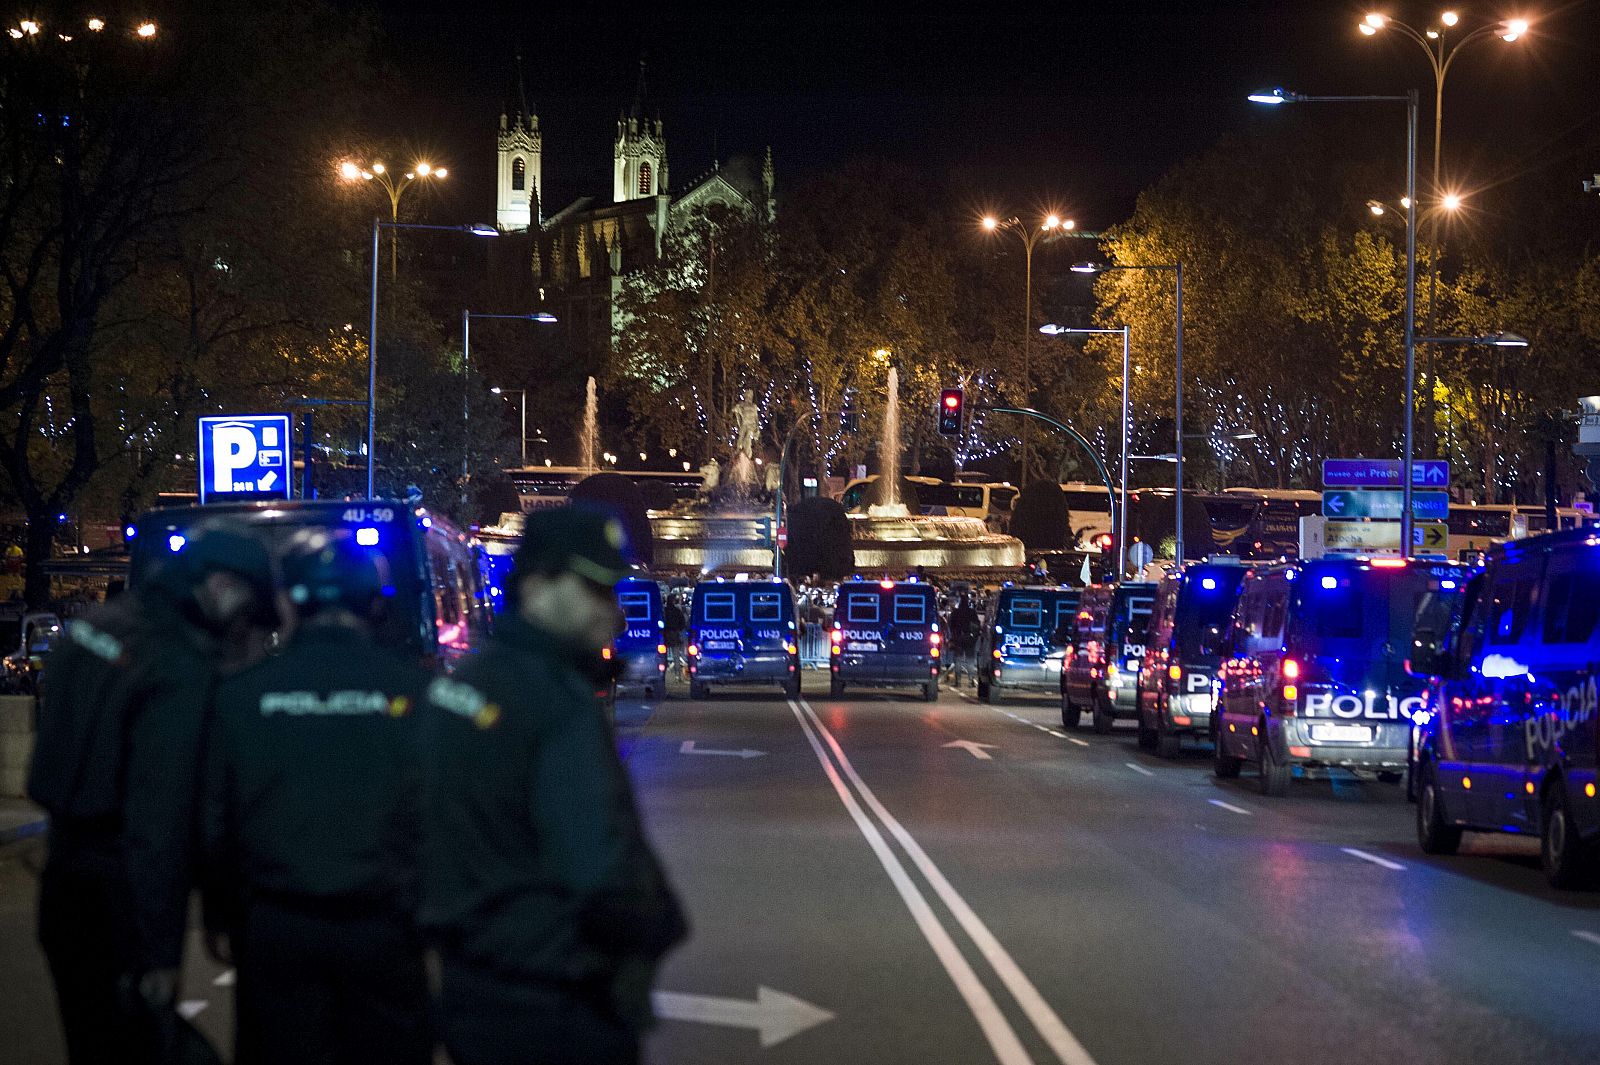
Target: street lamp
<point>466,372</point>
<point>1122,504</point>
<point>1177,378</point>
<point>477,229</point>
<point>381,176</point>
<point>1050,224</point>
<point>1282,96</point>
<point>523,393</point>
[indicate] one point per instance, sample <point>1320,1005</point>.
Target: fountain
<point>722,530</point>
<point>589,436</point>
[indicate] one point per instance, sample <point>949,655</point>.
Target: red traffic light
<point>950,402</point>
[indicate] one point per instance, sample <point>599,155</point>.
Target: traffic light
<point>951,400</point>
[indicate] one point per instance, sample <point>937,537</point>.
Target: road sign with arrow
<point>1385,504</point>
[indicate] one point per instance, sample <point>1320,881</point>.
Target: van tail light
<point>661,648</point>
<point>1291,669</point>
<point>605,653</point>
<point>1175,672</point>
<point>790,648</point>
<point>935,639</point>
<point>694,650</point>
<point>933,652</point>
<point>996,652</point>
<point>1290,672</point>
<point>836,636</point>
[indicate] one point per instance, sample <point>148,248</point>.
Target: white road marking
<point>997,1030</point>
<point>1588,937</point>
<point>1061,1041</point>
<point>775,1015</point>
<point>1057,735</point>
<point>189,1008</point>
<point>226,978</point>
<point>1137,768</point>
<point>975,749</point>
<point>689,748</point>
<point>1080,743</point>
<point>1373,858</point>
<point>1229,806</point>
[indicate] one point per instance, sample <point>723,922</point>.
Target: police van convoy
<point>743,632</point>
<point>641,646</point>
<point>1510,730</point>
<point>443,601</point>
<point>885,635</point>
<point>1100,669</point>
<point>1313,671</point>
<point>1022,638</point>
<point>1193,604</point>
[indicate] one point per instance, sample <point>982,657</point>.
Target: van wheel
<point>930,691</point>
<point>1435,834</point>
<point>1274,774</point>
<point>1167,744</point>
<point>791,687</point>
<point>835,687</point>
<point>1226,766</point>
<point>697,690</point>
<point>1071,716</point>
<point>1103,717</point>
<point>649,691</point>
<point>1568,862</point>
<point>1147,737</point>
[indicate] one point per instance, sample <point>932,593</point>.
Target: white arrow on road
<point>975,749</point>
<point>689,748</point>
<point>775,1015</point>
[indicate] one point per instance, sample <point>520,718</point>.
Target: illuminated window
<point>519,174</point>
<point>644,179</point>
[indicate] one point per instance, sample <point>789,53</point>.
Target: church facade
<point>580,253</point>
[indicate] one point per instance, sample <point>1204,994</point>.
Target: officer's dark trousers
<point>86,927</point>
<point>321,983</point>
<point>488,1020</point>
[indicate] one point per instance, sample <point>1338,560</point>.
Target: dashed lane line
<point>1080,743</point>
<point>1587,937</point>
<point>1137,768</point>
<point>1229,806</point>
<point>1373,858</point>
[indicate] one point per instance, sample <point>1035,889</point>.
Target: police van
<point>1022,638</point>
<point>885,635</point>
<point>443,604</point>
<point>1192,606</point>
<point>1511,726</point>
<point>743,632</point>
<point>1314,666</point>
<point>641,647</point>
<point>1100,668</point>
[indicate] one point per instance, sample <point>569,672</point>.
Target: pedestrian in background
<point>548,907</point>
<point>675,623</point>
<point>964,640</point>
<point>117,767</point>
<point>313,824</point>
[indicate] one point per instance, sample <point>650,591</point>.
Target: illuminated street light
<point>351,171</point>
<point>1449,18</point>
<point>1450,202</point>
<point>146,30</point>
<point>30,27</point>
<point>97,24</point>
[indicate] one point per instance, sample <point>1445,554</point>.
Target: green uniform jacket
<point>313,784</point>
<point>117,762</point>
<point>537,866</point>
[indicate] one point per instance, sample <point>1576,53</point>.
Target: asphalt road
<point>862,891</point>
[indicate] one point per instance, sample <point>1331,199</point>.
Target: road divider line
<point>1137,768</point>
<point>1229,806</point>
<point>1080,743</point>
<point>1373,858</point>
<point>1061,1041</point>
<point>1008,1049</point>
<point>1057,735</point>
<point>1587,937</point>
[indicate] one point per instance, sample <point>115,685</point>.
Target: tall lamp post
<point>1282,96</point>
<point>1031,237</point>
<point>393,187</point>
<point>1177,382</point>
<point>1122,504</point>
<point>477,229</point>
<point>466,374</point>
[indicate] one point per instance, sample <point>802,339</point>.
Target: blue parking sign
<point>244,456</point>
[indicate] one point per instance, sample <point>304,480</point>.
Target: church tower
<point>520,176</point>
<point>639,153</point>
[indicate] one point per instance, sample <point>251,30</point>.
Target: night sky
<point>1072,105</point>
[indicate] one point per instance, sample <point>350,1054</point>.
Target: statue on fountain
<point>712,472</point>
<point>747,419</point>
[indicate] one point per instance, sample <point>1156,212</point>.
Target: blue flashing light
<point>426,522</point>
<point>130,531</point>
<point>367,536</point>
<point>388,591</point>
<point>175,542</point>
<point>1330,582</point>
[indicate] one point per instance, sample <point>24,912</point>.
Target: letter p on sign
<point>233,449</point>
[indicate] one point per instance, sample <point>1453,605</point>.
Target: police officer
<point>547,905</point>
<point>117,766</point>
<point>313,827</point>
